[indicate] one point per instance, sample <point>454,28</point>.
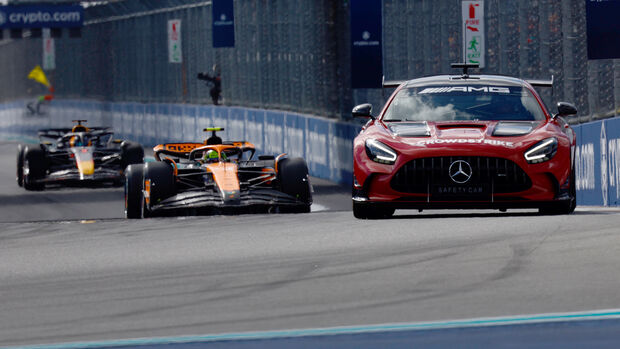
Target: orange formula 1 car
<point>215,177</point>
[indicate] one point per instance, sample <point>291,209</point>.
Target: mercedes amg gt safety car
<point>464,142</point>
<point>216,177</point>
<point>75,156</point>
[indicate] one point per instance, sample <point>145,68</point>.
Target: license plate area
<point>454,192</point>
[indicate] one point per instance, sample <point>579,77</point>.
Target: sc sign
<point>41,16</point>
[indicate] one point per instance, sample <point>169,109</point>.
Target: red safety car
<point>464,142</point>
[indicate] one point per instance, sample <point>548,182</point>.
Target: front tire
<point>34,166</point>
<point>20,165</point>
<point>162,184</point>
<point>567,206</point>
<point>370,211</point>
<point>133,191</point>
<point>295,181</point>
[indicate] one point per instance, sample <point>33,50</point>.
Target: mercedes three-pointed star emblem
<point>460,171</point>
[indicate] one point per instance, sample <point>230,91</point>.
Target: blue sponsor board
<point>223,23</point>
<point>366,43</point>
<point>41,16</point>
<point>603,28</point>
<point>317,149</point>
<point>611,153</point>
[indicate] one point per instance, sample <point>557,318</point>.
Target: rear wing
<point>391,83</point>
<point>59,132</point>
<point>541,83</point>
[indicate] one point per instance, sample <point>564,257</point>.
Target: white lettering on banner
<point>294,141</point>
<point>584,167</point>
<point>273,135</point>
<point>614,164</point>
<point>316,148</point>
<point>604,178</point>
<point>254,132</point>
<point>341,157</point>
<point>493,89</point>
<point>235,130</point>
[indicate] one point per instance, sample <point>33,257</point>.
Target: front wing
<point>201,198</point>
<point>73,176</point>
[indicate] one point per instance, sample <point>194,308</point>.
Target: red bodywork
<point>549,179</point>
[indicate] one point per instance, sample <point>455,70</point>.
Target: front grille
<point>496,175</point>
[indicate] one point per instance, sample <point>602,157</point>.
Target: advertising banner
<point>41,16</point>
<point>49,51</point>
<point>603,28</point>
<point>473,31</point>
<point>223,23</point>
<point>174,41</point>
<point>366,44</point>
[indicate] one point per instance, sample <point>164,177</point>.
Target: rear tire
<point>295,181</point>
<point>34,166</point>
<point>162,184</point>
<point>133,191</point>
<point>131,153</point>
<point>20,165</point>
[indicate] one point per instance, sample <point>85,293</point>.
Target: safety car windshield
<point>473,102</point>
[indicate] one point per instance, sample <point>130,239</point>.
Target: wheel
<point>370,211</point>
<point>34,166</point>
<point>294,181</point>
<point>131,153</point>
<point>564,207</point>
<point>162,184</point>
<point>133,191</point>
<point>20,165</point>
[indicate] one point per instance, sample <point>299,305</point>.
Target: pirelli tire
<point>371,211</point>
<point>295,181</point>
<point>131,153</point>
<point>20,165</point>
<point>162,185</point>
<point>133,191</point>
<point>34,167</point>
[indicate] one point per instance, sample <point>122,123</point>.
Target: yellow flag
<point>38,75</point>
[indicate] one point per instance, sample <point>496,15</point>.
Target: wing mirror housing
<point>362,111</point>
<point>566,109</point>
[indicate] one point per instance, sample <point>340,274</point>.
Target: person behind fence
<point>216,83</point>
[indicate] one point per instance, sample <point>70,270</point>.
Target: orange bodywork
<point>225,175</point>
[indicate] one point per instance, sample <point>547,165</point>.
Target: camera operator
<point>215,81</point>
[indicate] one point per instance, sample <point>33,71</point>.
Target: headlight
<point>380,152</point>
<point>542,151</point>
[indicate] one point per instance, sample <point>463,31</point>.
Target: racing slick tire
<point>133,191</point>
<point>34,165</point>
<point>294,181</point>
<point>20,165</point>
<point>131,153</point>
<point>567,206</point>
<point>369,211</point>
<point>162,184</point>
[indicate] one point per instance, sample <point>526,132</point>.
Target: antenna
<point>79,122</point>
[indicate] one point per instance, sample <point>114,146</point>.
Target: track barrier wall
<point>326,144</point>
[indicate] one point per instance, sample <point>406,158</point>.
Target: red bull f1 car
<point>464,142</point>
<point>75,156</point>
<point>216,177</point>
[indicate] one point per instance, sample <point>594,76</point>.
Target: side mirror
<point>565,109</point>
<point>362,111</point>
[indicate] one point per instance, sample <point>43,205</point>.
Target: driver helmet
<point>210,156</point>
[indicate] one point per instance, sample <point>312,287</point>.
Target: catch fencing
<point>295,55</point>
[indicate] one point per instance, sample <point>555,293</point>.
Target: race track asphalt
<point>71,269</point>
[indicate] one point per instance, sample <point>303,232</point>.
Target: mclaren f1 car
<point>216,177</point>
<point>75,156</point>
